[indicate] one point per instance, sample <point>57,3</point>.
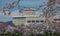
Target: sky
<point>23,3</point>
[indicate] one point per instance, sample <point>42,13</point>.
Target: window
<point>41,21</point>
<point>33,21</point>
<point>19,17</point>
<point>37,21</point>
<point>29,21</point>
<point>56,19</point>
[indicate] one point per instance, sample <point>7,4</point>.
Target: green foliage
<point>29,35</point>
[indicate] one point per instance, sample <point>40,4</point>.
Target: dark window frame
<point>56,19</point>
<point>37,21</point>
<point>29,21</point>
<point>33,21</point>
<point>42,21</point>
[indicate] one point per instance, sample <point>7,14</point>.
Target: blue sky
<point>23,3</point>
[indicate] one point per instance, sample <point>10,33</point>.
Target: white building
<point>56,18</point>
<point>28,18</point>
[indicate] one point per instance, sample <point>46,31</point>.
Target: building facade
<point>28,18</point>
<point>56,18</point>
